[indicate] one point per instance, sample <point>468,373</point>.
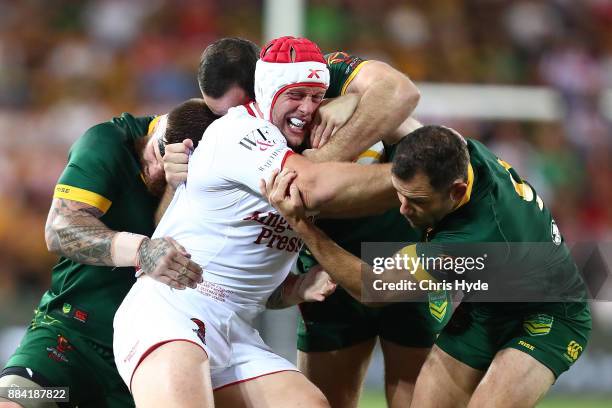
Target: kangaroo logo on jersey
<point>58,353</point>
<point>538,324</point>
<point>201,330</point>
<point>555,233</point>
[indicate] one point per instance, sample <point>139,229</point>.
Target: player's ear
<point>458,190</point>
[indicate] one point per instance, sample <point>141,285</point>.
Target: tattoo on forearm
<point>87,244</point>
<point>74,231</point>
<point>151,251</point>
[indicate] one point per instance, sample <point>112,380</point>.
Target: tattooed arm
<point>73,230</point>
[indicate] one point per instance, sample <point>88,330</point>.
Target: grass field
<point>374,399</point>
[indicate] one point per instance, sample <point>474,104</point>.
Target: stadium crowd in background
<point>145,61</point>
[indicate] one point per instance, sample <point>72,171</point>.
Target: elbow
<point>316,199</point>
<point>408,96</point>
<point>52,240</point>
<point>315,192</point>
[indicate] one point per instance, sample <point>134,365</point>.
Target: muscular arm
<point>404,129</point>
<point>340,190</point>
<point>344,268</point>
<point>73,230</point>
<point>352,273</point>
<point>388,97</point>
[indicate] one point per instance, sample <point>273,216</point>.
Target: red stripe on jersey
<point>252,378</point>
<point>288,154</point>
<point>155,347</point>
<point>249,109</point>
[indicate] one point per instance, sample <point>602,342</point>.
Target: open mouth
<point>295,123</point>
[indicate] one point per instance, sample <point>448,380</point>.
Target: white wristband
<point>124,248</point>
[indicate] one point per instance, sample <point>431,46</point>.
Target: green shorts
<point>555,334</point>
<point>341,321</point>
<point>66,359</point>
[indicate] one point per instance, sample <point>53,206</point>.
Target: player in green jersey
<point>340,333</point>
<point>109,185</point>
<point>490,354</point>
<point>69,341</point>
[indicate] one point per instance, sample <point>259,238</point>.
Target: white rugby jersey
<point>242,243</point>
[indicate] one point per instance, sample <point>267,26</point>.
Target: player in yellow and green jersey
<point>343,331</point>
<point>501,349</point>
<point>111,183</point>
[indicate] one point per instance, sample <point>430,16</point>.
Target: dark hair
<point>436,151</point>
<point>188,120</point>
<point>228,62</point>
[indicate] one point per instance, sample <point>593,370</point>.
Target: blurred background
<point>532,79</point>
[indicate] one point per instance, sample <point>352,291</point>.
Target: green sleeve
<point>461,253</point>
<point>342,69</point>
<point>101,165</point>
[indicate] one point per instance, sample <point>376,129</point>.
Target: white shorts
<point>153,314</point>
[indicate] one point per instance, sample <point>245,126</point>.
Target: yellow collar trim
<point>470,184</point>
<point>153,123</point>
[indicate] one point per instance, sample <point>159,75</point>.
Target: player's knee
<point>432,361</point>
<point>316,399</point>
<point>185,365</point>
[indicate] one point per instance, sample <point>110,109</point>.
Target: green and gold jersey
<point>503,221</point>
<point>350,233</point>
<point>342,69</point>
<point>103,171</point>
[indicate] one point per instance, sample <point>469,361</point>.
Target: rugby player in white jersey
<point>173,348</point>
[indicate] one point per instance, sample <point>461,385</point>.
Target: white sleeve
<point>252,156</point>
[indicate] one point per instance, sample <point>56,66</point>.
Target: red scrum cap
<point>287,62</point>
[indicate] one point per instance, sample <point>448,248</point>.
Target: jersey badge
<point>538,324</point>
<point>338,57</point>
<point>58,353</point>
<point>438,304</point>
<point>66,308</point>
<point>81,315</point>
